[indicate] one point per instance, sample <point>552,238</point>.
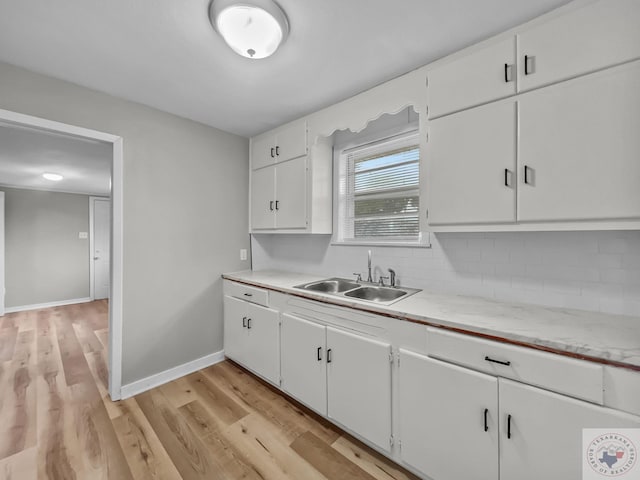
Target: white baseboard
<point>37,306</point>
<point>144,384</point>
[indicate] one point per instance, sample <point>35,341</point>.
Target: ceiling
<point>165,54</point>
<point>26,153</point>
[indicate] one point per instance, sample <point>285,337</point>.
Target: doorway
<point>114,247</point>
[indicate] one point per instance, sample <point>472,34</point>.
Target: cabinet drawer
<point>245,292</point>
<point>568,376</point>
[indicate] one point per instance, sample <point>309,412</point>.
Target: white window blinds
<point>379,190</point>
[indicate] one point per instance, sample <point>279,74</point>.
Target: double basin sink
<point>341,287</point>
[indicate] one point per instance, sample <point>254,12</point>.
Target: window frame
<point>409,133</point>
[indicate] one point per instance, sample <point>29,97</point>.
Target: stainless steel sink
<point>368,292</point>
<point>377,294</point>
<point>330,285</point>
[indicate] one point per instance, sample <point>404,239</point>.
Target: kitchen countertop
<point>600,337</point>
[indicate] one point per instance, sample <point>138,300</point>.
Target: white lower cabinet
<point>545,435</point>
<point>251,337</point>
<point>342,375</point>
<point>507,430</point>
<point>446,410</point>
<point>467,410</point>
<point>359,385</point>
<point>304,367</point>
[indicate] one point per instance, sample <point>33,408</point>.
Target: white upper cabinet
<point>590,38</point>
<point>263,196</point>
<point>472,166</point>
<point>580,147</point>
<point>279,196</point>
<point>480,77</point>
<point>291,194</point>
<point>279,145</point>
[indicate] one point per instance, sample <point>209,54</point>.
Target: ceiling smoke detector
<point>253,28</point>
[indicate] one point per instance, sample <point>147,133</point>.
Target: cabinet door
<point>472,160</point>
<point>546,432</point>
<point>263,345</point>
<point>579,143</point>
<point>291,193</point>
<point>263,150</point>
<point>263,196</point>
<point>359,385</point>
<point>593,37</point>
<point>442,413</point>
<point>303,361</point>
<point>480,77</point>
<point>291,142</point>
<point>235,333</point>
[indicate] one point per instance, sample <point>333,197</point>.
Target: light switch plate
<point>83,235</point>
<point>243,254</point>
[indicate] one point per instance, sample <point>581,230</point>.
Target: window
<point>379,191</point>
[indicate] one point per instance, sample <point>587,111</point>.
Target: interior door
<point>303,361</point>
<point>446,410</point>
<point>359,385</point>
<point>291,193</point>
<point>2,287</point>
<point>101,248</point>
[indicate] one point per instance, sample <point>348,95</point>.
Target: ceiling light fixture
<point>252,28</point>
<point>54,177</point>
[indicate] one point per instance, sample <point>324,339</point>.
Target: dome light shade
<point>54,177</point>
<point>254,28</point>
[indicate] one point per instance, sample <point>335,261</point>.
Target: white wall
<point>45,261</point>
<point>597,271</point>
<point>185,215</point>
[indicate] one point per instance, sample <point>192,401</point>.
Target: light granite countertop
<point>613,339</point>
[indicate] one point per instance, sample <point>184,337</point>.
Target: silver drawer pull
<point>489,359</point>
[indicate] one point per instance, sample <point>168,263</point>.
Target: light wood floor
<point>57,422</point>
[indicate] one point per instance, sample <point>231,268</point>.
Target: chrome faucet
<point>369,278</point>
<point>392,274</point>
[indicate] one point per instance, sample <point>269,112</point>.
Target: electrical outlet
<point>243,254</point>
<point>83,235</point>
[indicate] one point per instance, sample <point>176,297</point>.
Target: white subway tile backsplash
<point>597,271</point>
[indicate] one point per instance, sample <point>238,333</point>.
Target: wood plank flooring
<point>57,421</point>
